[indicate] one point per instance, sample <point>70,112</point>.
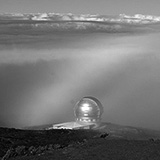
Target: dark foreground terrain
<point>62,144</point>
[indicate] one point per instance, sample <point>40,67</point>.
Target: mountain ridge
<point>116,131</point>
<point>129,143</point>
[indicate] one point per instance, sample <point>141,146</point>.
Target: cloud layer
<point>122,18</point>
<point>53,22</point>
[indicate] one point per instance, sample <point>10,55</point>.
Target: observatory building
<point>87,111</point>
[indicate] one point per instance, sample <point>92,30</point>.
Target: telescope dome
<point>88,109</point>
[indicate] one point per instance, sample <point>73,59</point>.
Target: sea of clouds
<point>43,73</point>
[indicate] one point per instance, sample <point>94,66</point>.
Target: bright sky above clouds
<point>110,7</point>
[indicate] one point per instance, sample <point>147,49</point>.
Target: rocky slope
<point>108,141</point>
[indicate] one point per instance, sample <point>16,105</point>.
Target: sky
<point>109,7</point>
<point>43,74</point>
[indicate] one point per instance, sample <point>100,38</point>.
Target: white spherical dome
<point>88,109</point>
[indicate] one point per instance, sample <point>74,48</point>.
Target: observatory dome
<point>88,109</point>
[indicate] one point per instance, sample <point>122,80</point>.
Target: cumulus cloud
<point>88,17</point>
<point>89,23</point>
